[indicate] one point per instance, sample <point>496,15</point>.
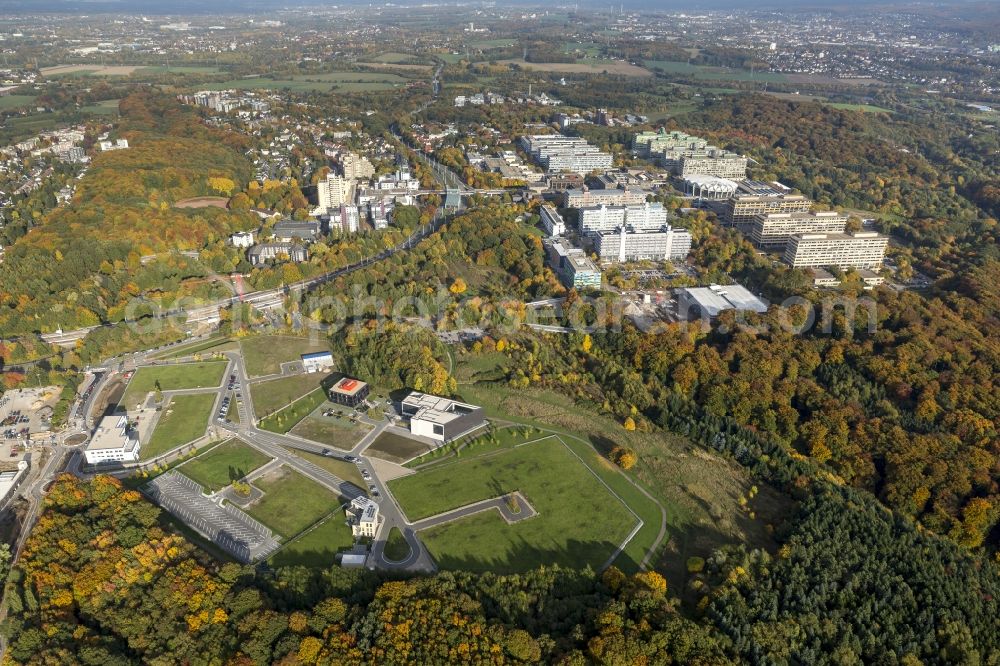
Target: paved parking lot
<point>24,411</point>
<point>226,526</point>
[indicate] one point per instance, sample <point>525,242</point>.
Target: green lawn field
<point>272,395</point>
<point>183,420</point>
<point>866,108</point>
<point>108,107</point>
<point>340,468</point>
<point>227,462</point>
<point>318,547</point>
<point>264,354</point>
<point>291,502</point>
<point>172,378</point>
<point>285,419</point>
<point>579,520</point>
<point>396,448</point>
<point>212,345</point>
<point>396,548</point>
<point>707,73</point>
<point>15,101</point>
<point>339,433</point>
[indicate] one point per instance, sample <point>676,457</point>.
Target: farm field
<point>579,520</point>
<point>707,73</point>
<point>264,354</point>
<point>181,376</point>
<point>184,419</point>
<point>346,81</point>
<point>338,433</point>
<point>291,502</point>
<point>589,66</point>
<point>318,547</point>
<point>274,394</point>
<point>15,101</point>
<point>108,107</point>
<point>124,70</point>
<point>865,108</point>
<point>396,448</point>
<point>340,468</point>
<point>217,468</point>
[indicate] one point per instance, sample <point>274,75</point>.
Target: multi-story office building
<point>552,221</point>
<point>649,144</point>
<point>753,198</point>
<point>113,441</point>
<point>712,162</point>
<point>642,217</point>
<point>863,249</point>
<point>627,244</point>
<point>686,155</point>
<point>573,266</point>
<point>588,198</point>
<point>771,231</point>
<point>556,153</point>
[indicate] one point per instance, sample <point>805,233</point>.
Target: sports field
<point>274,394</point>
<point>184,419</point>
<point>217,468</point>
<point>579,520</point>
<point>264,354</point>
<point>291,502</point>
<point>181,376</point>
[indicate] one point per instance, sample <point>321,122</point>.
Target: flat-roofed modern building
<point>771,231</point>
<point>317,362</point>
<point>552,221</point>
<point>349,392</point>
<point>573,266</point>
<point>649,144</point>
<point>265,252</point>
<point>362,514</point>
<point>685,155</point>
<point>611,196</point>
<point>288,231</point>
<point>753,199</point>
<point>862,249</point>
<point>713,162</point>
<point>555,152</point>
<point>441,419</point>
<point>627,244</point>
<point>641,217</point>
<point>695,302</point>
<point>113,441</point>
